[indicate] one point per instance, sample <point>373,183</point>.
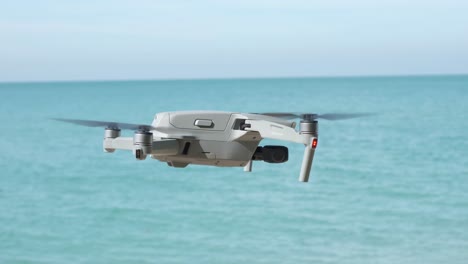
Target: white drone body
<point>214,138</point>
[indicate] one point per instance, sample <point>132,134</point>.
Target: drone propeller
<point>106,124</point>
<point>312,116</point>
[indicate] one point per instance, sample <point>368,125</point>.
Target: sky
<point>54,40</point>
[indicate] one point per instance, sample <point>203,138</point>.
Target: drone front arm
<point>158,147</point>
<point>277,131</point>
<point>123,143</point>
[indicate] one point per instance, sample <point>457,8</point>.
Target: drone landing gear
<point>309,152</point>
<point>248,166</point>
<point>308,127</point>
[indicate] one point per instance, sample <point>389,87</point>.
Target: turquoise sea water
<point>390,188</point>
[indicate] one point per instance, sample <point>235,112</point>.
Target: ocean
<point>387,188</point>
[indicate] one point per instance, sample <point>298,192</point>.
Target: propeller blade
<point>93,123</point>
<point>313,116</point>
<point>342,116</point>
<point>281,115</point>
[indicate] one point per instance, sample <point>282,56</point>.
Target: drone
<point>215,138</point>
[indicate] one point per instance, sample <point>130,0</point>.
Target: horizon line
<point>238,78</point>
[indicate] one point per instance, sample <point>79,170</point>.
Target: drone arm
<point>277,131</point>
<point>273,130</point>
<point>124,143</point>
<point>158,147</point>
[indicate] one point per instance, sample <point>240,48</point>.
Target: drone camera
<point>271,154</point>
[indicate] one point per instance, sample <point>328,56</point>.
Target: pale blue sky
<point>122,39</point>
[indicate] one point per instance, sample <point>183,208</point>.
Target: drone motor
<point>111,133</point>
<point>308,127</point>
<point>142,141</point>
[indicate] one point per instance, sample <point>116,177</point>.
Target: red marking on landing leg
<point>314,143</point>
